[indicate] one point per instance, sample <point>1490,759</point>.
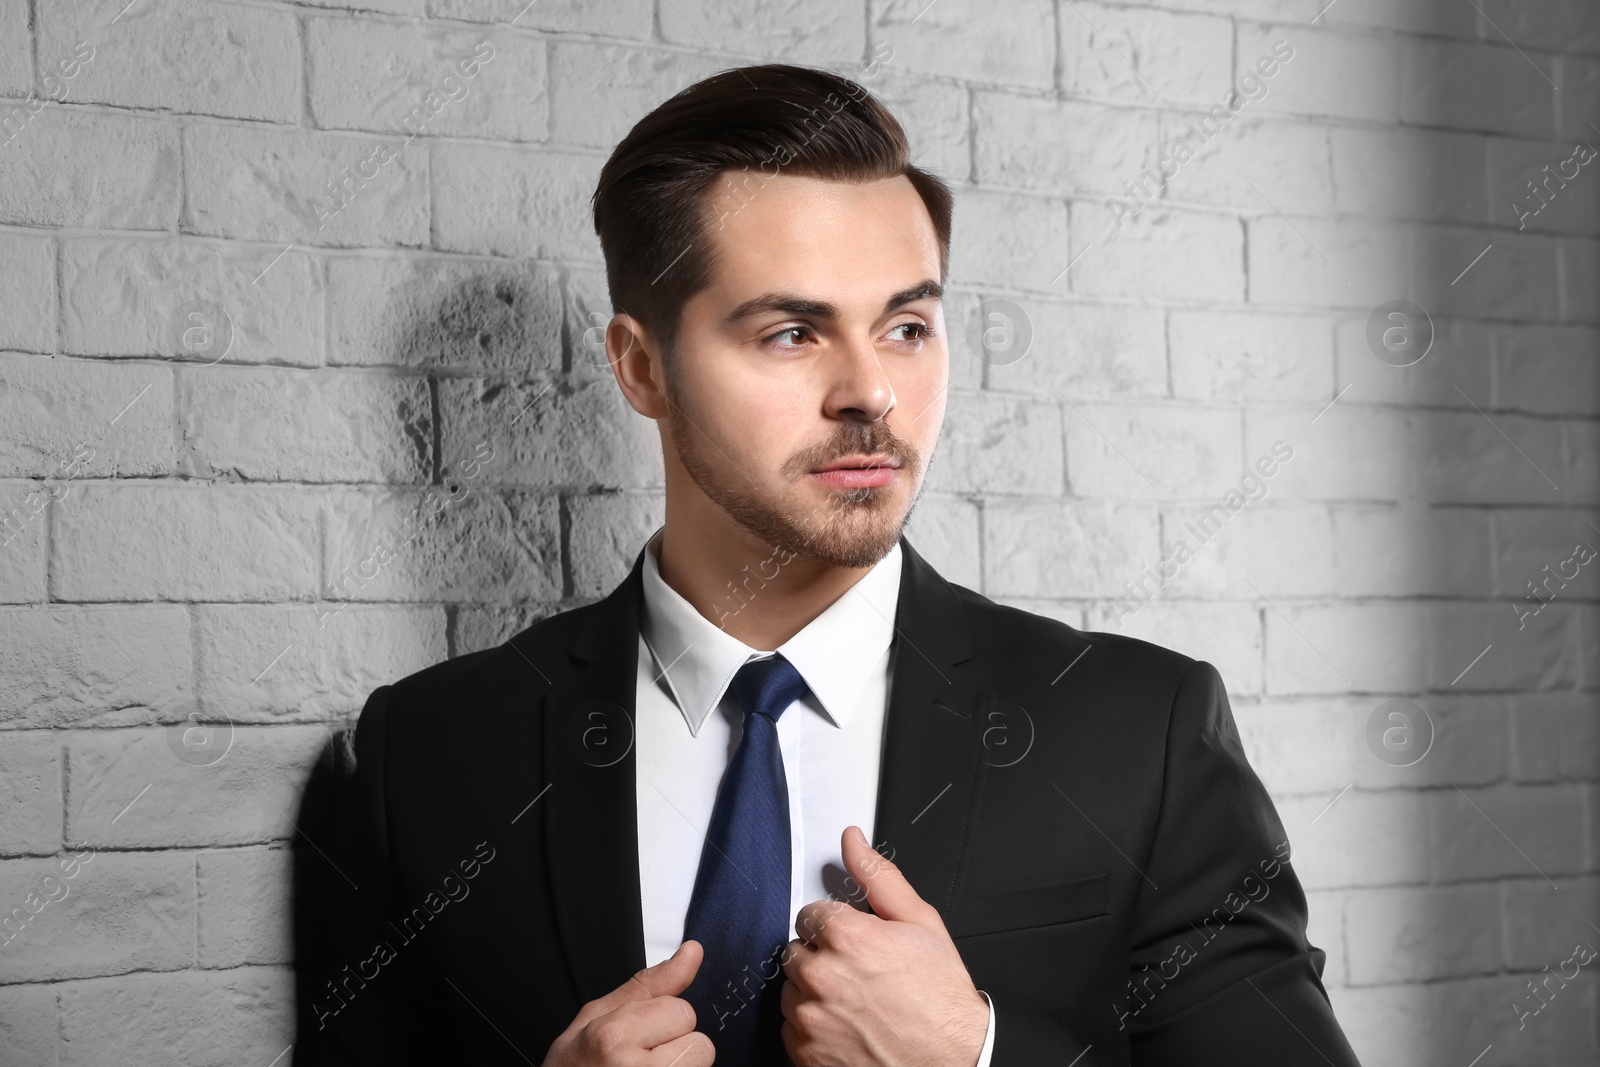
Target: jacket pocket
<point>1000,910</point>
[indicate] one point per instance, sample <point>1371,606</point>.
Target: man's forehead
<point>824,240</point>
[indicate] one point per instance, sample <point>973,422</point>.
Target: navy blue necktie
<point>739,911</point>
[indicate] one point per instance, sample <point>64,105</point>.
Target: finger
<point>668,978</point>
<point>648,1023</point>
<point>693,1049</point>
<point>813,918</point>
<point>890,895</point>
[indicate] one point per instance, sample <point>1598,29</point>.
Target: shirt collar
<point>695,659</point>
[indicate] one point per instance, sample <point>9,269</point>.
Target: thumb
<point>666,979</point>
<point>890,895</point>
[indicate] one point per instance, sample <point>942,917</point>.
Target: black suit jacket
<point>1076,805</point>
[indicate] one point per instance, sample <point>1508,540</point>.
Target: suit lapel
<point>590,821</point>
<point>931,768</point>
<point>930,774</point>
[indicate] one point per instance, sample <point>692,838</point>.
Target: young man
<point>637,832</point>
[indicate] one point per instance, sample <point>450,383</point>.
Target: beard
<point>851,528</point>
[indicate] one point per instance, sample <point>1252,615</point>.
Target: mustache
<point>872,439</point>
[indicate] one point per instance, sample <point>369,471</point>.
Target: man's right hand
<point>641,1023</point>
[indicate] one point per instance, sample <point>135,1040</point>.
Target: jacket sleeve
<point>379,1002</point>
<point>1221,971</point>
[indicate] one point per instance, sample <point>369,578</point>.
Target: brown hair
<point>651,208</point>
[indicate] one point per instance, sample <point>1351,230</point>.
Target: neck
<point>759,594</point>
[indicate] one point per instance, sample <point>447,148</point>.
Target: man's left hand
<point>878,990</point>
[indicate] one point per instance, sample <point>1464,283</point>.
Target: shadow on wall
<point>483,333</point>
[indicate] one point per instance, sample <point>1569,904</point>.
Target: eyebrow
<point>794,304</point>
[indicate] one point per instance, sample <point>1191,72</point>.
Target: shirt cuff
<point>988,1038</point>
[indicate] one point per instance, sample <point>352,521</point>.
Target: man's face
<point>820,339</point>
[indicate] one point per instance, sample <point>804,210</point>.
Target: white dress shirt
<point>687,725</point>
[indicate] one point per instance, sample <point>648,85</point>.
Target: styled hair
<point>652,210</point>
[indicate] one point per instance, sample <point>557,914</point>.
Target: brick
<point>1549,370</point>
<point>1579,99</point>
<point>948,531</point>
<point>1162,255</point>
<point>1287,161</point>
<point>1240,357</point>
<point>1363,839</point>
<point>168,56</point>
<point>1423,933</point>
<point>485,545</point>
<point>585,434</point>
<point>1537,555</point>
<point>1540,656</point>
<point>1330,73</point>
<point>244,904</point>
<point>622,18</point>
<point>1387,1026</point>
<point>81,169</point>
<point>603,88</point>
<point>607,532</point>
<point>1299,747</point>
<point>127,300</point>
<point>1082,351</point>
<point>1479,86</point>
<point>1454,373</point>
<point>1518,278</point>
<point>30,792</point>
<point>1348,453</point>
<point>822,31</point>
<point>1426,175</point>
<point>1007,235</point>
<point>1558,25</point>
<point>1060,147</point>
<point>1437,20</point>
<point>1580,274</point>
<point>1583,462</point>
<point>275,186</point>
<point>507,202</point>
<point>1489,459</point>
<point>963,40</point>
<point>971,366</point>
<point>410,80</point>
<point>116,912</point>
<point>22,539</point>
<point>1411,551</point>
<point>246,796</point>
<point>1060,548</point>
<point>68,665</point>
<point>1136,55</point>
<point>1253,550</point>
<point>1315,263</point>
<point>1225,635</point>
<point>219,542</point>
<point>292,662</point>
<point>1555,736</point>
<point>1543,186</point>
<point>28,1030</point>
<point>388,7</point>
<point>16,57</point>
<point>428,312</point>
<point>979,445</point>
<point>1543,924</point>
<point>1506,832</point>
<point>1372,646</point>
<point>1140,452</point>
<point>267,424</point>
<point>203,1018</point>
<point>63,419</point>
<point>27,272</point>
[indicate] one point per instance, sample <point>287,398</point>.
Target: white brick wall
<point>210,552</point>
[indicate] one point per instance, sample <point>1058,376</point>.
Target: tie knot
<point>767,686</point>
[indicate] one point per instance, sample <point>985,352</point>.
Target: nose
<point>860,388</point>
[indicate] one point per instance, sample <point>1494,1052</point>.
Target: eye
<point>921,331</point>
<point>787,331</point>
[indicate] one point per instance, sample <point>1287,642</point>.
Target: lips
<point>858,463</point>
